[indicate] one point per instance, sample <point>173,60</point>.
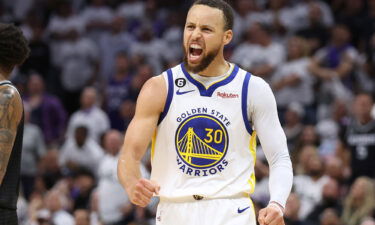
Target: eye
<point>189,27</point>
<point>206,29</point>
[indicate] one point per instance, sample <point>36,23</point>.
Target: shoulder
<point>9,93</point>
<point>260,95</point>
<point>153,94</point>
<point>10,101</point>
<point>155,85</point>
<point>258,84</point>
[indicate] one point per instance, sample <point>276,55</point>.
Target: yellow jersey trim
<point>207,87</point>
<point>153,141</point>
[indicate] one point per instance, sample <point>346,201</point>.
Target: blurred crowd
<point>89,59</point>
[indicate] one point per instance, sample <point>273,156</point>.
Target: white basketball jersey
<point>204,145</point>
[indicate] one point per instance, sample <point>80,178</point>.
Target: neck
<point>3,76</point>
<point>216,68</point>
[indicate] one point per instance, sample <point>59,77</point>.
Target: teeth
<point>195,46</point>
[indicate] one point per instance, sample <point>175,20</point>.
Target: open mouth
<point>195,53</point>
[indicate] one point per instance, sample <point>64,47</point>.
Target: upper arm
<point>150,104</point>
<point>266,122</point>
<point>10,116</point>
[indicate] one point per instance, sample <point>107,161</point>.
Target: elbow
<point>282,160</point>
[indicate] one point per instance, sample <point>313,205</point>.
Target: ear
<point>228,35</point>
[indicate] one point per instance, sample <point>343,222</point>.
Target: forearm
<point>281,180</point>
<point>272,137</point>
<point>129,171</point>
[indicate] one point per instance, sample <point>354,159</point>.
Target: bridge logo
<point>201,141</point>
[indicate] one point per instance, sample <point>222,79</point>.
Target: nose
<point>196,34</point>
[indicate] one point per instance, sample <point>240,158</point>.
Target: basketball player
<point>13,51</point>
<point>203,116</point>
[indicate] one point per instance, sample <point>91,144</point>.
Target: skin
<point>205,27</point>
<point>10,116</point>
<point>340,36</point>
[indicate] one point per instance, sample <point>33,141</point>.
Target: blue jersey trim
<point>210,90</point>
<point>245,88</point>
<point>169,96</point>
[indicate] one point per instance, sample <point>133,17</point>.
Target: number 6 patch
<point>180,82</point>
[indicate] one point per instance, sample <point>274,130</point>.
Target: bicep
<point>266,122</point>
<point>150,104</point>
<point>10,116</point>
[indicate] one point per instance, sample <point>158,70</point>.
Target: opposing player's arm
<point>150,104</point>
<point>10,116</point>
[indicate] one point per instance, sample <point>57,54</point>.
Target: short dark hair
<point>14,48</point>
<point>223,6</point>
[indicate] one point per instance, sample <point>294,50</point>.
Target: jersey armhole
<point>245,116</point>
<point>169,95</point>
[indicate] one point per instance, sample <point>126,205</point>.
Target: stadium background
<point>89,59</point>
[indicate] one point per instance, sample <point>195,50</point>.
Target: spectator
<point>329,132</point>
<point>132,9</point>
<point>97,17</point>
<point>40,56</point>
<point>173,36</point>
<point>360,137</point>
<point>109,190</point>
<point>310,185</point>
<point>316,33</point>
<point>80,151</point>
<point>301,158</point>
<point>353,15</point>
<point>278,15</point>
<point>118,90</point>
<point>336,170</point>
<point>89,115</point>
<point>5,16</point>
<point>330,217</point>
<point>46,111</point>
<point>50,171</point>
<point>260,54</point>
<point>151,48</point>
<point>293,123</point>
<point>360,202</point>
<point>143,73</point>
<point>112,44</point>
<point>78,60</point>
<point>301,13</point>
<point>308,137</point>
<point>83,185</point>
<point>154,17</point>
<point>333,65</point>
<point>33,149</point>
<point>82,217</point>
<point>55,203</point>
<point>60,24</point>
<point>94,209</point>
<point>330,199</point>
<point>127,111</point>
<point>292,81</point>
<point>336,60</point>
<point>292,208</point>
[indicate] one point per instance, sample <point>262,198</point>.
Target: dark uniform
<point>10,186</point>
<point>361,141</point>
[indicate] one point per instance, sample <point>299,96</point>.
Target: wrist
<point>277,206</point>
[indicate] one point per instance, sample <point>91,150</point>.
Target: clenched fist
<point>271,215</point>
<point>142,192</point>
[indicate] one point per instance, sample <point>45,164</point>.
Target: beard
<point>205,62</point>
